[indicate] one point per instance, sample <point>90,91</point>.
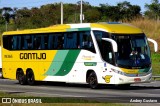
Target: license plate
<point>137,80</point>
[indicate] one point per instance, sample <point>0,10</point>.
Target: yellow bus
<point>93,53</point>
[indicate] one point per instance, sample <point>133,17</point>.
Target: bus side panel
<point>11,63</point>
<point>86,61</point>
<point>61,65</point>
<point>12,60</point>
<point>8,70</point>
<point>41,66</point>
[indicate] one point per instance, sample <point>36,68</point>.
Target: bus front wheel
<point>30,78</point>
<point>21,77</point>
<point>92,80</point>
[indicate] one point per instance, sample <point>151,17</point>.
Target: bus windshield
<point>133,51</point>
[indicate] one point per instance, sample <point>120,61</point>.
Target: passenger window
<point>86,41</point>
<point>8,42</point>
<point>60,42</point>
<point>70,41</point>
<point>37,42</point>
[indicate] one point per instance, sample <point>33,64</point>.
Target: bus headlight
<point>117,71</point>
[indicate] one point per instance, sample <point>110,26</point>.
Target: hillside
<point>150,27</point>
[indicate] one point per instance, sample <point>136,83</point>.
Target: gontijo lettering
<point>32,55</point>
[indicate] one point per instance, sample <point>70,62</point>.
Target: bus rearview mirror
<point>155,44</point>
<point>114,44</point>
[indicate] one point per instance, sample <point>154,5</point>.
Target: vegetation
<point>57,101</point>
<point>153,10</point>
<point>150,27</point>
<point>49,14</point>
<point>67,104</point>
<point>156,63</point>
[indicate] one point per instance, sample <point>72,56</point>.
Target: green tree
<point>91,16</point>
<point>2,20</point>
<point>7,13</point>
<point>128,11</point>
<point>153,10</point>
<point>49,14</point>
<point>122,11</point>
<point>23,18</point>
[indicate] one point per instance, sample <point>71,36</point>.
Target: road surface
<point>83,91</point>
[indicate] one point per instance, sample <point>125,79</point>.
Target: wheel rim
<point>93,81</point>
<point>20,77</point>
<point>30,78</point>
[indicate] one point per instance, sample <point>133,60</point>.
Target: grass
<point>156,63</point>
<point>150,27</point>
<point>66,104</point>
<point>56,101</point>
<point>47,99</point>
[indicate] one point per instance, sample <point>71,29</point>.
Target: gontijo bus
<point>93,53</point>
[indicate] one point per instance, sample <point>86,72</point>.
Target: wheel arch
<point>88,73</point>
<point>17,71</point>
<point>28,69</point>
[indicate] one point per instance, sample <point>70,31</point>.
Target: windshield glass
<point>133,50</point>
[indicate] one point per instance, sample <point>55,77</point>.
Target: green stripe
<point>68,63</point>
<point>63,62</point>
<point>144,70</point>
<point>84,29</point>
<point>57,62</point>
<point>73,29</point>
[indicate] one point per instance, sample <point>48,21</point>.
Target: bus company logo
<point>33,56</point>
<point>6,100</point>
<point>107,78</point>
<point>88,57</point>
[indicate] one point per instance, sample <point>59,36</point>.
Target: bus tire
<point>30,77</point>
<point>21,77</point>
<point>92,80</point>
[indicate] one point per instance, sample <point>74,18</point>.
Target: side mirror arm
<point>155,44</point>
<point>113,42</point>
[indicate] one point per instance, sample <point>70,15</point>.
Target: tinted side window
<point>7,42</point>
<point>59,41</point>
<point>70,40</point>
<point>52,41</point>
<point>86,41</point>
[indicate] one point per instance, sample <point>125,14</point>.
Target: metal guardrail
<point>156,76</point>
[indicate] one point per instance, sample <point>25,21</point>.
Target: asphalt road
<point>82,91</point>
